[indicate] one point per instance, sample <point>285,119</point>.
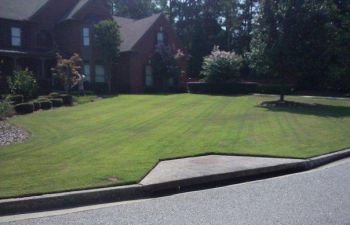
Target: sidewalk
<point>172,175</point>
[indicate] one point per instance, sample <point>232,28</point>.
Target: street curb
<point>138,191</point>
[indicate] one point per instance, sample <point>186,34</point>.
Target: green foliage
<point>67,99</point>
<point>6,109</point>
<point>221,66</point>
<point>165,63</point>
<point>92,141</point>
<point>135,9</point>
<point>15,99</point>
<point>23,83</point>
<point>24,108</point>
<point>45,104</point>
<point>37,105</point>
<point>305,41</point>
<point>108,40</point>
<point>84,99</point>
<point>56,102</point>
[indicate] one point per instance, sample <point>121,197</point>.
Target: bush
<point>57,102</point>
<point>45,104</point>
<point>15,99</point>
<point>6,109</point>
<point>274,89</point>
<point>54,95</point>
<point>222,88</point>
<point>221,66</point>
<point>24,108</point>
<point>23,83</point>
<point>37,105</point>
<point>67,100</point>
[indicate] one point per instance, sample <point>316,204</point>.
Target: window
<point>160,38</point>
<point>86,36</point>
<point>99,74</point>
<point>148,76</point>
<point>16,36</point>
<point>87,71</point>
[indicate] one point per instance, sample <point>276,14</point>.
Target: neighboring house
<point>33,31</point>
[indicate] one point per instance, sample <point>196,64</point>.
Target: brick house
<point>33,31</point>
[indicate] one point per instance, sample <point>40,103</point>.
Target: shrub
<point>57,102</point>
<point>6,109</point>
<point>54,95</point>
<point>222,88</point>
<point>221,66</point>
<point>37,105</point>
<point>23,83</point>
<point>45,104</point>
<point>15,99</point>
<point>24,108</point>
<point>274,89</point>
<point>67,100</point>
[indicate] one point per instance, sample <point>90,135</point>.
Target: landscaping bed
<point>10,134</point>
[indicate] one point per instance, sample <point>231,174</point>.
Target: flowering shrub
<point>23,83</point>
<point>221,66</point>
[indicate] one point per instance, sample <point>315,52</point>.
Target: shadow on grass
<point>315,110</point>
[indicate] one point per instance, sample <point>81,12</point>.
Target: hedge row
<point>235,88</point>
<point>40,103</point>
<point>15,99</point>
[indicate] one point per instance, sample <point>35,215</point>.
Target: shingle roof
<point>20,9</point>
<point>131,31</point>
<point>76,9</point>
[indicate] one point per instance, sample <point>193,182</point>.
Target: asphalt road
<point>317,197</point>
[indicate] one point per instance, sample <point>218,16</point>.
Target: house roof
<point>20,9</point>
<point>80,4</point>
<point>132,31</point>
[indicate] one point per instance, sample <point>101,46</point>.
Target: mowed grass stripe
<point>125,136</point>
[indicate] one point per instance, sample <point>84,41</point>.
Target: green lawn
<point>118,140</point>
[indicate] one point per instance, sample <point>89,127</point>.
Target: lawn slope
<point>118,140</point>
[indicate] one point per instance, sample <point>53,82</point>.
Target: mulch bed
<point>10,134</point>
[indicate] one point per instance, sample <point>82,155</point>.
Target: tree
<point>67,71</point>
<point>165,64</point>
<point>135,9</point>
<point>107,39</point>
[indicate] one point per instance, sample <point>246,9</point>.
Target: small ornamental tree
<point>67,71</point>
<point>23,83</point>
<point>165,63</point>
<point>221,66</point>
<point>107,40</point>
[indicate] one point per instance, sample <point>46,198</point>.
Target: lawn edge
<point>138,191</point>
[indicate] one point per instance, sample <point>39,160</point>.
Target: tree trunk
<point>283,87</point>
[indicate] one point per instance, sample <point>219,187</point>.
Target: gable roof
<point>131,31</point>
<point>80,4</point>
<point>20,9</point>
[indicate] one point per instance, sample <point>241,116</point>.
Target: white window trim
<point>17,37</point>
<point>100,78</point>
<point>87,71</point>
<point>149,79</point>
<point>160,37</point>
<point>86,36</point>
